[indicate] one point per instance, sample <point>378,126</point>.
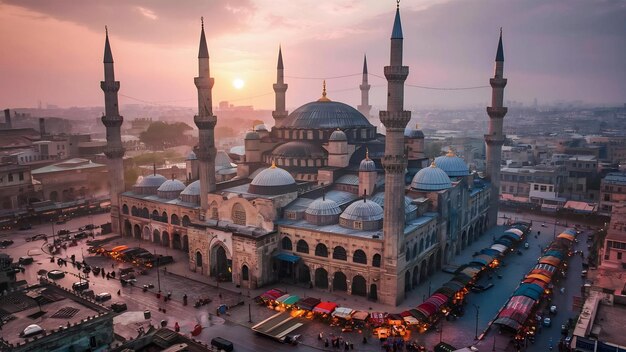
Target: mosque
<point>320,199</point>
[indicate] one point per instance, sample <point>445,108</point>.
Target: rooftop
<point>60,308</point>
<point>68,165</point>
<point>615,178</point>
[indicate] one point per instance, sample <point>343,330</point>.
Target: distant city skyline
<point>554,50</point>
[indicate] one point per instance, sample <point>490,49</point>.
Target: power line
<point>331,77</point>
<point>434,88</point>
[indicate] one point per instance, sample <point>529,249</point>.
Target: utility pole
<point>477,309</point>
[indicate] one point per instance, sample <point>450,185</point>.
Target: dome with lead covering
<point>272,181</point>
<point>193,189</point>
<point>452,165</point>
<point>413,133</point>
<point>252,135</point>
<point>322,211</point>
<point>379,198</point>
<point>431,178</point>
<point>148,185</point>
<point>338,136</point>
<point>325,114</point>
<point>192,156</point>
<point>170,189</point>
<point>362,215</point>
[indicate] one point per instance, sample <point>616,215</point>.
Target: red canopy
<point>325,307</point>
<point>377,318</point>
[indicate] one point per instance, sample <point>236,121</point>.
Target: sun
<point>238,83</point>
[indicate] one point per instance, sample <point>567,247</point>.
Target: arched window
<point>175,220</point>
<point>432,238</point>
<point>198,258</point>
<point>238,214</point>
<point>339,253</point>
<point>145,213</point>
<point>376,260</point>
<point>134,211</point>
<point>359,257</point>
<point>164,217</point>
<point>186,221</point>
<point>214,214</point>
<point>321,250</point>
<point>407,254</point>
<point>415,252</point>
<point>125,209</point>
<point>286,244</point>
<point>302,247</point>
<point>422,245</point>
<point>244,273</point>
<point>155,215</point>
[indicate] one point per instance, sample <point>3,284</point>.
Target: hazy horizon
<point>554,50</point>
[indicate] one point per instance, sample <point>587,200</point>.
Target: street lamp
<point>477,309</point>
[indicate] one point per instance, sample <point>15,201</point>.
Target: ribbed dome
<point>193,189</point>
<point>252,135</point>
<point>222,161</point>
<point>322,206</point>
<point>431,179</point>
<point>151,181</point>
<point>297,149</point>
<point>338,135</point>
<point>192,156</point>
<point>325,115</point>
<point>260,127</point>
<point>453,165</point>
<point>171,186</point>
<point>363,211</point>
<point>272,181</point>
<point>367,164</point>
<point>379,198</point>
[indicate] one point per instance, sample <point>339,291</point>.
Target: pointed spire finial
<point>154,169</point>
<point>280,57</point>
<point>365,195</point>
<point>500,52</point>
<point>367,153</point>
<point>396,33</point>
<point>397,4</point>
<point>203,52</point>
<point>433,164</point>
<point>364,64</point>
<point>202,22</point>
<point>323,98</point>
<point>106,30</point>
<point>108,56</point>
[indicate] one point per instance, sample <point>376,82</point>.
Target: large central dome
<point>325,115</point>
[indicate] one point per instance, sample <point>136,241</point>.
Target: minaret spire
<point>365,108</point>
<point>495,136</point>
<point>205,121</point>
<point>280,88</point>
<point>112,120</point>
<point>395,119</point>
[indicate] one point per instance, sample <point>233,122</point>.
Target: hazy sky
<point>554,49</point>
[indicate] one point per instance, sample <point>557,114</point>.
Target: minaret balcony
<point>396,73</point>
<point>207,122</point>
<point>365,86</point>
<point>205,153</point>
<point>497,112</point>
<point>494,140</point>
<point>280,87</point>
<point>113,152</point>
<point>204,82</point>
<point>395,119</point>
<point>112,121</point>
<point>110,86</point>
<point>497,82</point>
<point>394,164</point>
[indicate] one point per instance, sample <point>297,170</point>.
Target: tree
<point>161,135</point>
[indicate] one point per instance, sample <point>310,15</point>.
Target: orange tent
<point>539,277</point>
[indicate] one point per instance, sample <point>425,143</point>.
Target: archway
<point>220,263</point>
<point>321,250</point>
<point>146,233</point>
<point>155,215</point>
<point>164,217</point>
<point>128,228</point>
<point>286,244</point>
<point>376,260</point>
<point>321,278</point>
<point>373,295</point>
<point>245,276</point>
<point>431,264</point>
<point>416,276</point>
<point>186,221</point>
<point>156,236</point>
<point>340,281</point>
<point>407,281</point>
<point>176,244</point>
<point>423,271</point>
<point>359,286</point>
<point>185,243</point>
<point>304,274</point>
<point>198,258</point>
<point>137,231</point>
<point>134,211</point>
<point>54,196</point>
<point>165,239</point>
<point>359,257</point>
<point>125,209</point>
<point>175,220</point>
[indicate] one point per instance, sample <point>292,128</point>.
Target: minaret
<point>395,119</point>
<point>495,138</point>
<point>112,120</point>
<point>206,121</point>
<point>280,88</point>
<point>365,106</point>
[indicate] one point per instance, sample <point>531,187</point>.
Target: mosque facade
<point>320,199</point>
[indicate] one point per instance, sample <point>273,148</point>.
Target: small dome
<point>322,207</point>
<point>193,189</point>
<point>272,181</point>
<point>260,127</point>
<point>222,161</point>
<point>367,164</point>
<point>252,135</point>
<point>363,210</point>
<point>431,179</point>
<point>338,136</point>
<point>192,156</point>
<point>150,181</point>
<point>379,198</point>
<point>453,165</point>
<point>413,133</point>
<point>171,186</point>
<point>298,149</point>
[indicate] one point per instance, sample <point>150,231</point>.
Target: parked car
<point>56,274</point>
<point>6,243</point>
<point>222,344</point>
<point>481,288</point>
<point>547,322</point>
<point>41,236</point>
<point>25,260</point>
<point>118,307</point>
<point>31,330</point>
<point>104,296</point>
<point>80,285</point>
